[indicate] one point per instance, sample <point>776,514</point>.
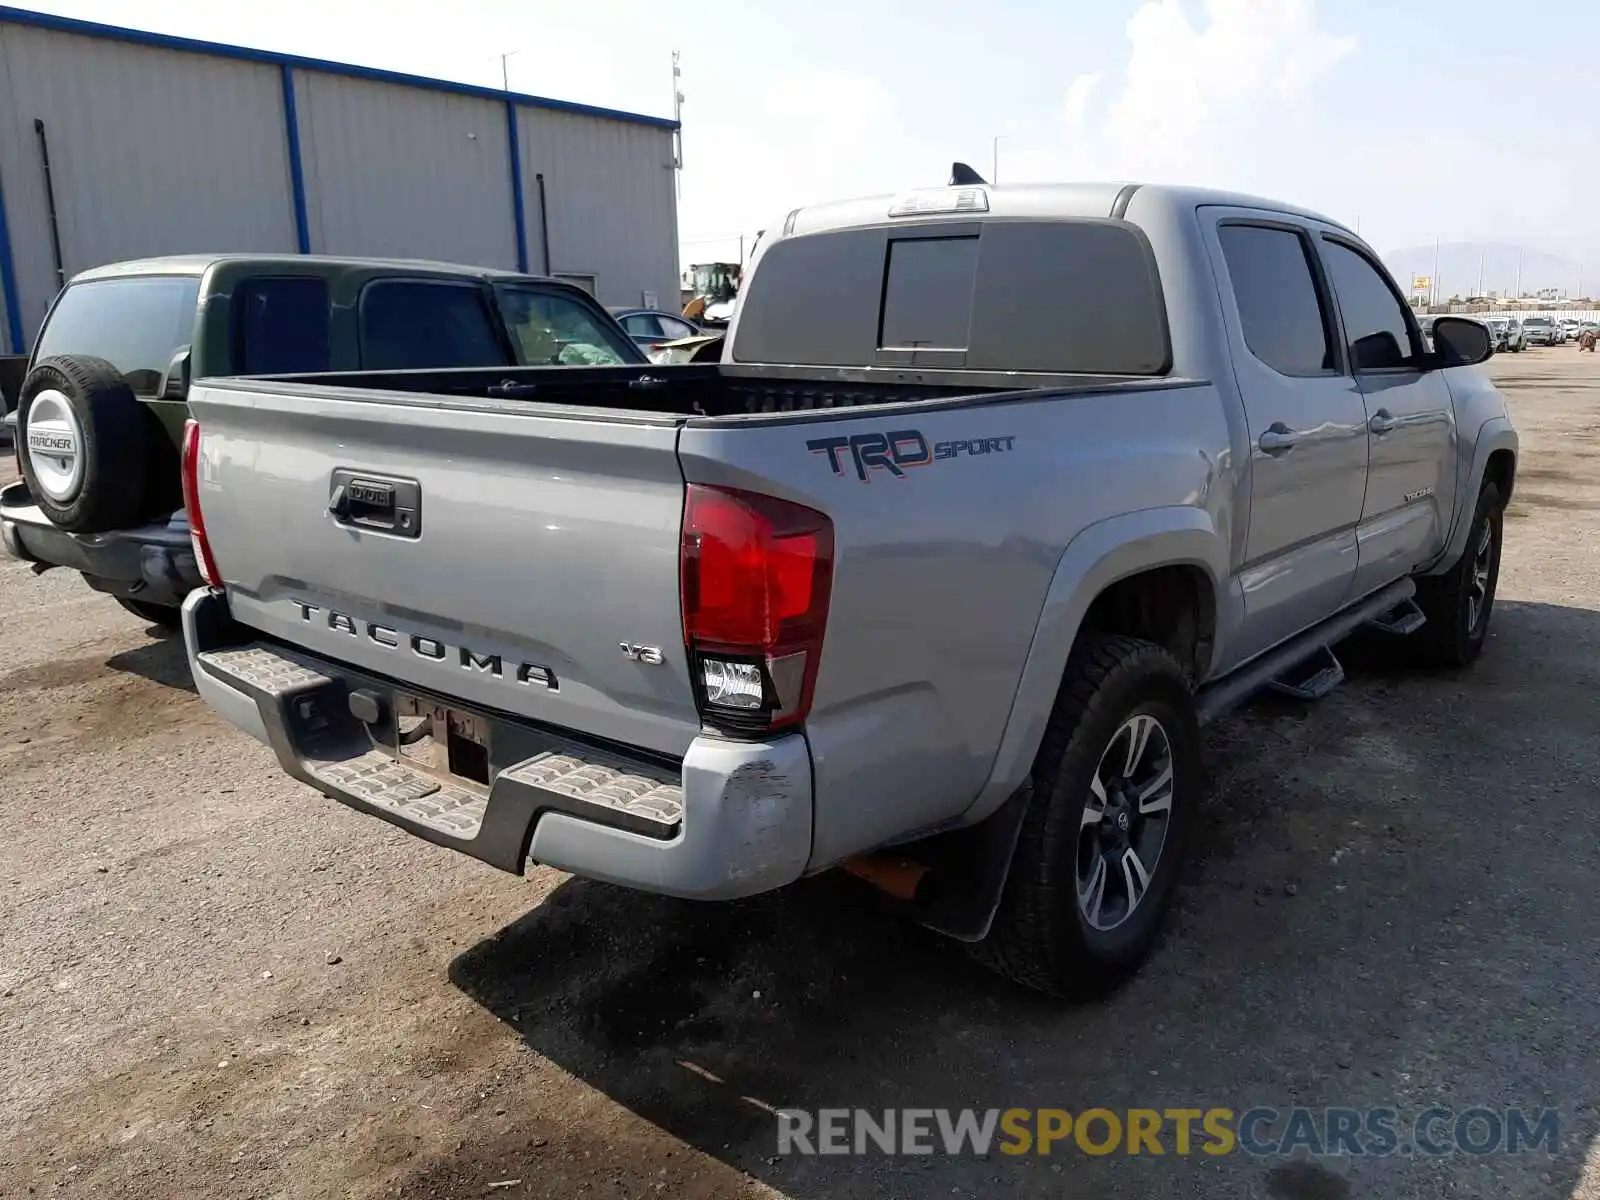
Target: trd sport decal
<point>899,452</point>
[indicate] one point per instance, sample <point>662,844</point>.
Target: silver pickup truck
<point>997,496</point>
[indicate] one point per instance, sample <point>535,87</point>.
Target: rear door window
<point>280,326</point>
<point>408,324</point>
<point>1280,310</point>
<point>136,323</point>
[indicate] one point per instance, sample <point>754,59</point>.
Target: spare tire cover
<point>86,444</point>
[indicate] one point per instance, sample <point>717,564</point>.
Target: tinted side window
<point>555,329</point>
<point>642,325</point>
<point>1374,317</point>
<point>1276,294</point>
<point>137,324</point>
<point>281,326</point>
<point>410,325</point>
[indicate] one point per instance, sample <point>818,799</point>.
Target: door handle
<point>1279,439</point>
<point>1382,422</point>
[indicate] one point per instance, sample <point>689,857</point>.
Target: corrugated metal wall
<point>151,152</point>
<point>612,200</point>
<point>395,170</point>
<point>158,150</point>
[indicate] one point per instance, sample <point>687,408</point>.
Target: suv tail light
<point>191,504</point>
<point>756,575</point>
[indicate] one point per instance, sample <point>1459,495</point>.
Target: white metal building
<point>162,145</point>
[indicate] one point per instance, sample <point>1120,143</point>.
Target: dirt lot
<point>214,982</point>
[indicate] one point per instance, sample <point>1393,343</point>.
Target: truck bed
<point>692,390</point>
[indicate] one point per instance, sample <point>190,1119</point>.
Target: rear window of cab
<point>137,323</point>
<point>1059,297</point>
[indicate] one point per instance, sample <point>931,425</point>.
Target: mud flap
<point>965,871</point>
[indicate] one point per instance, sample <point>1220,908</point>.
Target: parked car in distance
<point>1540,331</point>
<point>1516,335</point>
<point>649,327</point>
<point>101,411</point>
<point>1499,330</point>
<point>713,659</point>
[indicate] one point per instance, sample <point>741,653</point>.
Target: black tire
<point>164,615</point>
<point>1041,936</point>
<point>1456,626</point>
<point>95,412</point>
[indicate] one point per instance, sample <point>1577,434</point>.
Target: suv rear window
<point>409,324</point>
<point>1052,296</point>
<point>281,326</point>
<point>136,323</point>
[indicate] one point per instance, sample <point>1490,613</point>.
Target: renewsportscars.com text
<point>1261,1131</point>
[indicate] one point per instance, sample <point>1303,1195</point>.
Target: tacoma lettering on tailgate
<point>432,649</point>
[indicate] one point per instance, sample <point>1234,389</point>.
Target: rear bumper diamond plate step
<point>304,706</point>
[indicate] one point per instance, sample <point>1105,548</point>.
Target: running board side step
<point>1400,620</point>
<point>1311,678</point>
<point>1218,698</point>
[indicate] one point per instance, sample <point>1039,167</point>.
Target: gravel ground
<point>214,981</point>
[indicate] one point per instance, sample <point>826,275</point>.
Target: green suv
<point>99,418</point>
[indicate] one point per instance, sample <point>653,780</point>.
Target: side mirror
<point>175,382</point>
<point>1458,342</point>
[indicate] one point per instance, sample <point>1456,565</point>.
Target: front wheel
<point>1458,603</point>
<point>1097,860</point>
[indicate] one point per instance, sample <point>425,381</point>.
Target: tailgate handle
<point>382,503</point>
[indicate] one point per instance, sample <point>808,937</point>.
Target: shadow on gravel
<point>1397,969</point>
<point>161,661</point>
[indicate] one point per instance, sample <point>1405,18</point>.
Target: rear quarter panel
<point>942,570</point>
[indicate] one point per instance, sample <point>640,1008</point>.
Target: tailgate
<point>518,559</point>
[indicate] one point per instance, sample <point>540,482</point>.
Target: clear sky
<point>1418,119</point>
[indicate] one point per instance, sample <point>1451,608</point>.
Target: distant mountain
<point>1465,268</point>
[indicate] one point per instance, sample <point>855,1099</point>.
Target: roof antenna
<point>962,175</point>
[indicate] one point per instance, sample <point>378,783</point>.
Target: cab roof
<point>199,264</point>
<point>1041,201</point>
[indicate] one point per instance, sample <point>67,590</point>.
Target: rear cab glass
<point>137,323</point>
<point>1066,296</point>
<point>280,325</point>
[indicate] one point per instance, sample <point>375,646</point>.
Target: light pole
<point>505,69</point>
<point>994,159</point>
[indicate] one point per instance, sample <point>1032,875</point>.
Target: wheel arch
<point>1106,573</point>
<point>1494,460</point>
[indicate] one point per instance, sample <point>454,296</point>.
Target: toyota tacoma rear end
<point>996,497</point>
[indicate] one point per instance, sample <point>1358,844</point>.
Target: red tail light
<point>756,574</point>
<point>191,504</point>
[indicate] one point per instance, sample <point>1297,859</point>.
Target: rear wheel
<point>163,615</point>
<point>1097,860</point>
<point>1458,603</point>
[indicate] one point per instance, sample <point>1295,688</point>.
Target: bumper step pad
<point>383,783</point>
<point>598,779</point>
<point>334,754</point>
